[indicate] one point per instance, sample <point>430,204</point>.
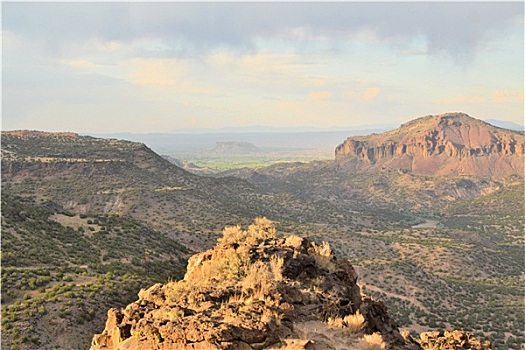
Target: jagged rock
<point>447,144</point>
<point>256,292</point>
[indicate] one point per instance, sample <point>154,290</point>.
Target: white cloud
<point>508,96</point>
<point>462,100</point>
<point>370,93</point>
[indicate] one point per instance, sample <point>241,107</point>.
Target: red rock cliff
<point>447,144</point>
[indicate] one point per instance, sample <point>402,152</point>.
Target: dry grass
<point>268,315</point>
<point>323,256</point>
<point>258,282</point>
<point>372,342</point>
<point>232,234</point>
<point>262,228</point>
<point>355,322</point>
<point>276,263</point>
<point>336,322</point>
<point>176,290</point>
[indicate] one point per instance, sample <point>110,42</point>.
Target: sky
<point>136,67</point>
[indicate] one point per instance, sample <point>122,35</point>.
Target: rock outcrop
<point>256,291</point>
<point>451,340</point>
<point>447,144</point>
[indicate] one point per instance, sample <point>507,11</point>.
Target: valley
<point>88,222</point>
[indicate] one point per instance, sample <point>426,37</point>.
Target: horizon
<point>172,67</point>
<point>266,129</point>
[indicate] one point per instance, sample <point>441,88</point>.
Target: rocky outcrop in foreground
<point>446,144</point>
<point>257,291</point>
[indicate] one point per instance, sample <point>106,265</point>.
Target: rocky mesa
<point>255,290</point>
<point>446,144</point>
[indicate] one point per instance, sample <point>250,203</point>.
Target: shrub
<point>355,322</point>
<point>372,342</point>
<point>323,256</point>
<point>262,228</point>
<point>258,281</point>
<point>232,234</point>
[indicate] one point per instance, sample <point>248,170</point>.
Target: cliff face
<point>447,144</point>
<point>257,291</point>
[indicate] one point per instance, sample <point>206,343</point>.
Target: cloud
<point>157,73</point>
<point>463,99</point>
<point>320,95</point>
<point>79,64</point>
<point>415,52</point>
<point>183,29</point>
<point>164,73</point>
<point>370,93</point>
<point>508,96</point>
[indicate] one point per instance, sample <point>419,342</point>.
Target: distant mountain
<point>235,148</point>
<point>176,143</point>
<point>447,144</point>
<point>505,124</point>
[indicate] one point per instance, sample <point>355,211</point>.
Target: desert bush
<point>232,234</point>
<point>322,255</point>
<point>355,322</point>
<point>176,290</point>
<point>262,228</point>
<point>336,322</point>
<point>233,264</point>
<point>372,342</point>
<point>258,281</point>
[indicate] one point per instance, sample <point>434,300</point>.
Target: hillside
<point>59,269</point>
<point>189,166</point>
<point>90,175</point>
<point>462,270</point>
<point>448,144</point>
<point>255,290</point>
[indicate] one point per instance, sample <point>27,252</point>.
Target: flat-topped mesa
<point>39,134</point>
<point>446,144</point>
<point>235,147</point>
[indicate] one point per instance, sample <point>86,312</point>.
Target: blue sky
<point>162,67</point>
